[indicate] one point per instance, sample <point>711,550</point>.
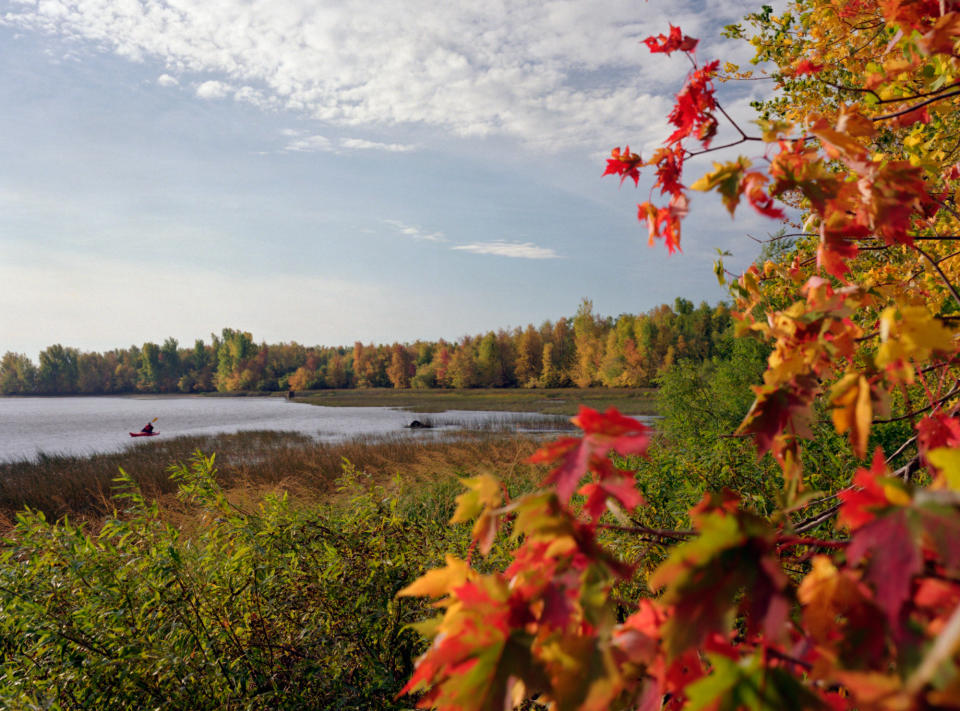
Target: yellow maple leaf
<point>726,179</point>
<point>947,460</point>
<point>853,410</point>
<point>439,581</point>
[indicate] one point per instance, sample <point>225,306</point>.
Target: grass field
<point>561,401</point>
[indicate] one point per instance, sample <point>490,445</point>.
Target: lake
<point>88,425</point>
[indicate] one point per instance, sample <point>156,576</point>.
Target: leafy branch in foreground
<point>841,599</point>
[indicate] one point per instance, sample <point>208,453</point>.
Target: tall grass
<point>253,463</point>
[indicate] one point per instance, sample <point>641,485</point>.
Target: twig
<point>788,541</point>
<point>932,405</point>
<point>910,109</point>
<point>815,521</point>
<point>943,276</point>
<point>661,532</point>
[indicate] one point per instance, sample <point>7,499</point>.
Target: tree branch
<point>909,109</point>
<point>943,276</point>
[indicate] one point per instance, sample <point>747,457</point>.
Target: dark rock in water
<point>416,424</point>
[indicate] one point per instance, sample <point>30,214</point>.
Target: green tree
<point>18,375</point>
<point>148,374</point>
<point>58,371</point>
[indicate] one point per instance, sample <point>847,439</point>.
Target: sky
<point>327,172</point>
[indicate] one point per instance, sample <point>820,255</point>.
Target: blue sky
<point>330,172</point>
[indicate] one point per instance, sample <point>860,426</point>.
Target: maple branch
<point>943,276</point>
<point>907,470</point>
<point>909,109</point>
<point>949,209</point>
<point>815,521</point>
<point>923,95</point>
<point>692,154</point>
<point>789,541</point>
<point>901,448</point>
<point>932,405</point>
<point>733,123</point>
<point>856,89</point>
<point>661,532</point>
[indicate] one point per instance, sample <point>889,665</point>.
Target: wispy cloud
<point>360,144</point>
<point>167,80</point>
<point>516,250</point>
<point>551,72</point>
<point>319,143</point>
<point>415,232</point>
<point>307,144</point>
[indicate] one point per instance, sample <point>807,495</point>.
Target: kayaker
<point>147,428</point>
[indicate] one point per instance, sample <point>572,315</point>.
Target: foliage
<point>274,609</point>
<point>776,595</point>
<point>589,350</point>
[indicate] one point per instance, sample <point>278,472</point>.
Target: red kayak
<point>143,434</point>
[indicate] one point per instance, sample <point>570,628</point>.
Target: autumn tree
<point>529,353</point>
<point>401,367</point>
<point>462,371</point>
<point>847,598</point>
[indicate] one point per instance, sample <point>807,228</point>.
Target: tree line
<point>586,350</point>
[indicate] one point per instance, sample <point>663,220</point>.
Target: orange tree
<point>841,599</point>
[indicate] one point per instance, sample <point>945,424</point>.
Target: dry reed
<point>250,464</point>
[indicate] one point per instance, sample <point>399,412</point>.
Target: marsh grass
<point>252,464</point>
<point>506,423</point>
<point>557,401</point>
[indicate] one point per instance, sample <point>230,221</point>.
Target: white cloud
<point>251,96</point>
<point>309,144</point>
<point>516,250</point>
<point>415,232</point>
<point>213,89</point>
<point>167,80</point>
<point>554,73</point>
<point>323,144</point>
<point>360,144</point>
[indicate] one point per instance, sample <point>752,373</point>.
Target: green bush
<point>280,608</point>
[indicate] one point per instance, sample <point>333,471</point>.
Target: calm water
<point>87,425</point>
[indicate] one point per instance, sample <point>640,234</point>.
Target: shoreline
<point>554,401</point>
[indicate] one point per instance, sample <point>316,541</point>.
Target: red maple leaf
<point>622,489</point>
<point>936,431</point>
<point>779,409</point>
<point>693,111</point>
<point>575,457</point>
<point>861,501</point>
<point>625,164</point>
<point>920,115</point>
<point>836,247</point>
<point>805,66</point>
<point>665,221</point>
<point>669,169</point>
<point>676,40</point>
<point>894,558</point>
<point>753,186</point>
